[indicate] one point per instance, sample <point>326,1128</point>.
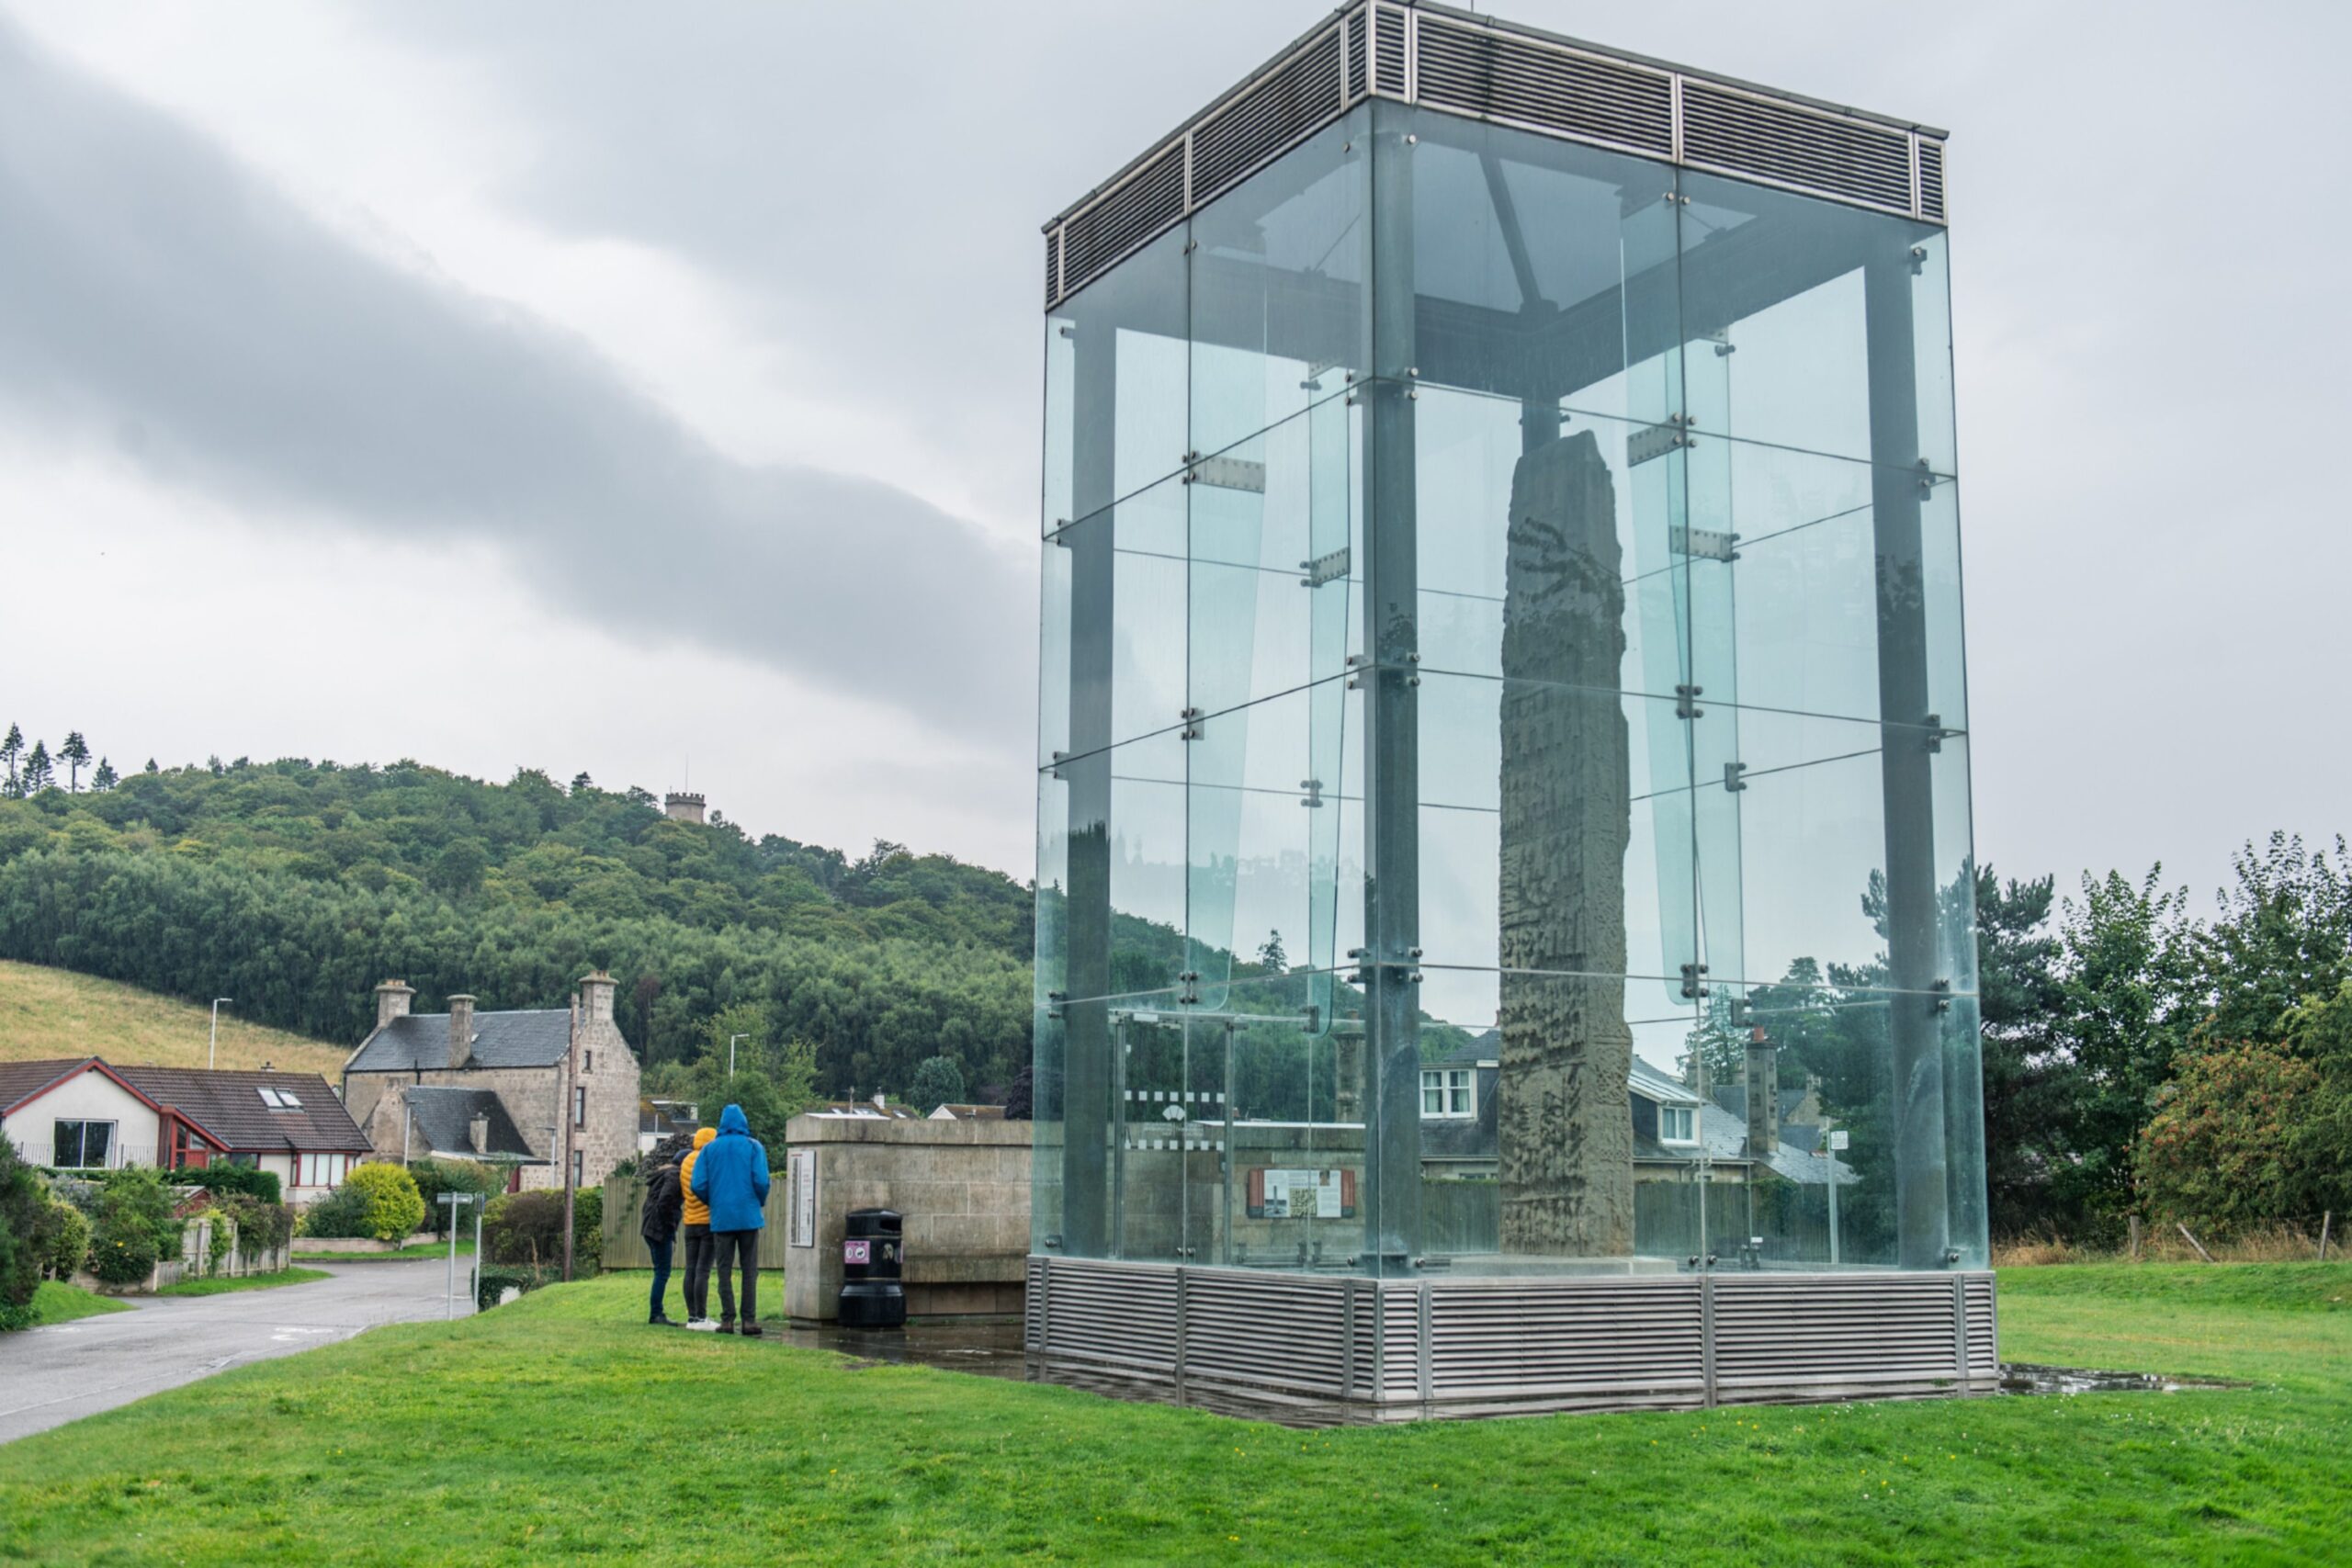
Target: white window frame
<point>579,1105</point>
<point>1455,1091</point>
<point>1689,1114</point>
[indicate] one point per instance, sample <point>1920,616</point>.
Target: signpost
<point>449,1287</point>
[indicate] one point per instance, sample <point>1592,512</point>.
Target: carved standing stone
<point>1566,1134</point>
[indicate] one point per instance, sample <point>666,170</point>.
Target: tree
<point>938,1081</point>
<point>104,778</point>
<point>772,1085</point>
<point>39,773</point>
<point>12,748</point>
<point>457,869</point>
<point>2283,933</point>
<point>2230,1145</point>
<point>2028,1079</point>
<point>75,754</point>
<point>24,1237</point>
<point>2127,996</point>
<point>581,783</point>
<point>1270,956</point>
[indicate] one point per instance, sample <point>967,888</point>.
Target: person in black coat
<point>663,1204</point>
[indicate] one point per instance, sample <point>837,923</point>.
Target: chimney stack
<point>478,1132</point>
<point>596,996</point>
<point>1763,1094</point>
<point>391,1001</point>
<point>682,808</point>
<point>461,1030</point>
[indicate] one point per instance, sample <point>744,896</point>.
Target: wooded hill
<point>295,887</point>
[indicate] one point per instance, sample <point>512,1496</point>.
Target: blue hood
<point>732,1120</point>
<point>732,1175</point>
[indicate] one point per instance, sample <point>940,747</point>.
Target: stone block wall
<point>962,1187</point>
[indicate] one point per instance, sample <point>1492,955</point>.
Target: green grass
<point>56,1303</point>
<point>54,1012</point>
<point>561,1426</point>
<point>420,1249</point>
<point>222,1284</point>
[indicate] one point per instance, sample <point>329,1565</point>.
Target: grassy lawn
<point>220,1285</point>
<point>54,1012</point>
<point>57,1303</point>
<point>420,1249</point>
<point>560,1426</point>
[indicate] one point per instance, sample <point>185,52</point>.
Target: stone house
<point>518,1089</point>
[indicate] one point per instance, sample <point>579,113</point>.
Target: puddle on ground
<point>2027,1377</point>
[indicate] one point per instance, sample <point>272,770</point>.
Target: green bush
<point>435,1177</point>
<point>263,1225</point>
<point>394,1209</point>
<point>251,1180</point>
<point>527,1227</point>
<point>69,1239</point>
<point>135,1200</point>
<point>123,1257</point>
<point>25,1223</point>
<point>341,1213</point>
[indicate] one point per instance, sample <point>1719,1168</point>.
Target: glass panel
<point>1964,1132</point>
<point>1522,864</point>
<point>1789,292</point>
<point>1545,272</point>
<point>1277,284</point>
<point>1114,638</point>
<point>1262,839</point>
<point>1117,384</point>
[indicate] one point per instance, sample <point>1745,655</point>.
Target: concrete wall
<point>962,1187</point>
<point>91,1096</point>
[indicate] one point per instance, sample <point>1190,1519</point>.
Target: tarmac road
<point>50,1376</point>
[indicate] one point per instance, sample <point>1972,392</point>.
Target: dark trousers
<point>729,1246</point>
<point>697,1270</point>
<point>660,1251</point>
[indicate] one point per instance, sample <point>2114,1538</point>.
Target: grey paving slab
<point>50,1376</point>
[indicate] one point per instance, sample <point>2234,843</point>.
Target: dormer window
<point>1678,1123</point>
<point>1451,1093</point>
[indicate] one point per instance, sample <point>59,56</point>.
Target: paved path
<point>50,1376</point>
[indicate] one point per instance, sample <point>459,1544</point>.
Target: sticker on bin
<point>859,1251</point>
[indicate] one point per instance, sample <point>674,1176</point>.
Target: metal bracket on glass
<point>1314,788</point>
<point>1942,990</point>
<point>1054,1000</point>
<point>1702,544</point>
<point>1692,986</point>
<point>1724,347</point>
<point>1191,730</point>
<point>1733,780</point>
<point>1055,770</point>
<point>1926,479</point>
<point>1919,260</point>
<point>1192,993</point>
<point>1656,440</point>
<point>1228,473</point>
<point>1330,567</point>
<point>1686,701</point>
<point>1936,733</point>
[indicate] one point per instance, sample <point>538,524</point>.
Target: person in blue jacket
<point>731,1176</point>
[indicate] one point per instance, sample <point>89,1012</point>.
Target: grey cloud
<point>152,288</point>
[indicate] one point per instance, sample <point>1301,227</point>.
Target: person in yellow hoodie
<point>695,1223</point>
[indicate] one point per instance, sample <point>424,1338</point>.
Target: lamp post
<point>730,1051</point>
<point>215,1044</point>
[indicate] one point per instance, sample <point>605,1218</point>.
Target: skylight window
<point>280,1099</point>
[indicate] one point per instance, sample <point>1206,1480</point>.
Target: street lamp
<point>730,1051</point>
<point>215,1045</point>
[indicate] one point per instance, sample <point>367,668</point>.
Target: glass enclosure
<point>1503,767</point>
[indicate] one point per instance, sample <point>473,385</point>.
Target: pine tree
<point>39,775</point>
<point>1271,956</point>
<point>581,783</point>
<point>75,755</point>
<point>151,766</point>
<point>103,779</point>
<point>12,748</point>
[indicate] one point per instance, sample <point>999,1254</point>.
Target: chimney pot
<point>461,1030</point>
<point>391,1001</point>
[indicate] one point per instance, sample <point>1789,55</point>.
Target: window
<point>82,1144</point>
<point>1677,1123</point>
<point>1449,1092</point>
<point>578,1170</point>
<point>280,1099</point>
<point>579,1108</point>
<point>591,1065</point>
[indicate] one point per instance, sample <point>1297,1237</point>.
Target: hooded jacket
<point>697,1213</point>
<point>732,1175</point>
<point>660,1223</point>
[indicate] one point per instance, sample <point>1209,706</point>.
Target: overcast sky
<point>637,388</point>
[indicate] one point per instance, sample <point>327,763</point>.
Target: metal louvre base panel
<point>1326,1349</point>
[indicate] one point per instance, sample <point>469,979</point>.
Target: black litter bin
<point>873,1256</point>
